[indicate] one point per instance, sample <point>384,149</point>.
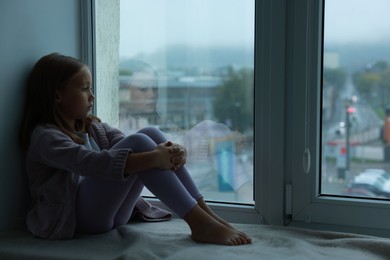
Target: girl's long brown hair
<point>49,74</point>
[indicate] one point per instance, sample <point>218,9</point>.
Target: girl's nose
<point>91,97</point>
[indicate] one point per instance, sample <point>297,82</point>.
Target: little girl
<point>86,177</point>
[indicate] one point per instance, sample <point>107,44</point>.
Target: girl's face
<point>143,93</point>
<point>75,99</point>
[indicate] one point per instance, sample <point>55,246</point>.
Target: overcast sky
<point>363,21</point>
<point>147,25</point>
<point>156,23</point>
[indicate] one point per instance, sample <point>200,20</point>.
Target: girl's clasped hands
<point>172,156</point>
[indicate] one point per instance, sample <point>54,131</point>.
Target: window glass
<point>187,67</point>
<point>356,99</point>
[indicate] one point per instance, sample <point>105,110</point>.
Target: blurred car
<point>373,183</point>
<point>379,172</point>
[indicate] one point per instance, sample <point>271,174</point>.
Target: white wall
<point>28,30</point>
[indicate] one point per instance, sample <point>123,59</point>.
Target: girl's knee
<point>143,143</point>
<point>138,142</point>
<point>154,133</point>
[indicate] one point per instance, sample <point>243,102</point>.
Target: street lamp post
<point>349,109</point>
<point>347,132</point>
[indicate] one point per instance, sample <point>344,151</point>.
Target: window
<point>187,68</point>
<point>355,87</point>
<point>340,101</point>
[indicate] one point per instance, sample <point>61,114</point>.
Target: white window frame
<point>308,208</point>
<point>269,107</point>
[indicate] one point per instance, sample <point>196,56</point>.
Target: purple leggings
<point>102,205</point>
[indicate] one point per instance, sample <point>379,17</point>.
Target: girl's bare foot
<point>202,204</point>
<point>206,229</point>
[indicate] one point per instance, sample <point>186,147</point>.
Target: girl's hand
<point>163,159</point>
<point>179,155</point>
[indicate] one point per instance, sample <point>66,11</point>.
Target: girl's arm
<point>51,147</point>
<point>166,156</point>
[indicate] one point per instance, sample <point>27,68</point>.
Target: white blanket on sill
<point>170,240</point>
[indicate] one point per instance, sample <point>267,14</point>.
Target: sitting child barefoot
<point>86,176</point>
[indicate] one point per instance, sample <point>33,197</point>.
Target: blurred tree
<point>234,101</point>
<point>365,83</point>
<point>373,83</point>
<point>378,66</point>
<point>384,86</point>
